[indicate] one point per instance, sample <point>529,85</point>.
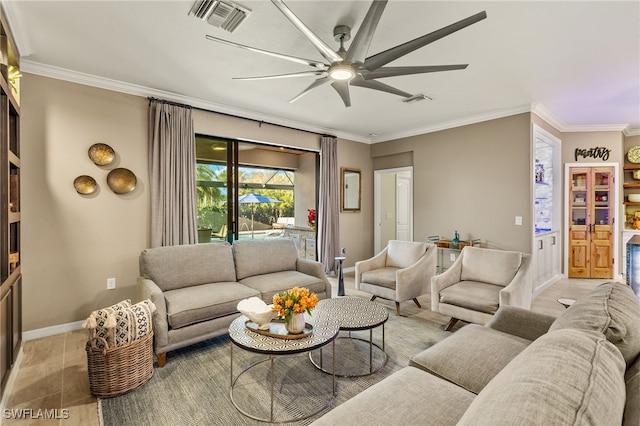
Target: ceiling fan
<point>344,68</point>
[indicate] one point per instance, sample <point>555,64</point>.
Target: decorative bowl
<point>257,311</point>
<point>634,198</point>
<point>121,181</point>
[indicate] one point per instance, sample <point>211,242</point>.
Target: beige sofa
<point>521,368</point>
<point>196,288</point>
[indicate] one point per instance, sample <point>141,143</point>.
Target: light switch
<point>519,220</point>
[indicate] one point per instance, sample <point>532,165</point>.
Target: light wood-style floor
<point>53,371</point>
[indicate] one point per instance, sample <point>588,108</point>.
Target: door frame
<point>377,201</point>
<point>616,213</point>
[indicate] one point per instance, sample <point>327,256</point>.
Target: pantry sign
<point>597,152</point>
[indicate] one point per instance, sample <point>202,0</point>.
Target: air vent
<point>220,14</point>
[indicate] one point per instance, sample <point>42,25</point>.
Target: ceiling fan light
<point>341,73</point>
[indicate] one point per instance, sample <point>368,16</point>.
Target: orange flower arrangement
<point>294,301</point>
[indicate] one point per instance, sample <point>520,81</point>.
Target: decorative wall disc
<point>121,180</point>
<point>101,154</point>
<point>85,184</point>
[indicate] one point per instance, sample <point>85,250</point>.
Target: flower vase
<point>295,324</point>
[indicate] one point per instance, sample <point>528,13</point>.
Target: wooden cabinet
<point>590,225</point>
<point>10,208</point>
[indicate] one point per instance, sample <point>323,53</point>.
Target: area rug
<point>193,387</point>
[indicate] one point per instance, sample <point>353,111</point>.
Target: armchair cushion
<point>385,277</point>
<point>195,304</point>
<point>402,254</point>
<point>477,296</point>
<point>496,267</point>
<point>612,309</point>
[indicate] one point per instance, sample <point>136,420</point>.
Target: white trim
<point>18,29</point>
<point>136,90</point>
<point>51,331</point>
<point>376,201</point>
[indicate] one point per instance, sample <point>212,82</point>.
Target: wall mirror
<point>350,189</point>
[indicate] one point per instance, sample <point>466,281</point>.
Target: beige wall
<point>73,243</point>
<point>474,179</point>
<point>356,228</point>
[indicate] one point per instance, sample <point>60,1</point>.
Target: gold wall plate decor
<point>85,185</point>
<point>121,180</point>
<point>101,154</point>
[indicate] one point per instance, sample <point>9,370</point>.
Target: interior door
<point>403,207</point>
<point>591,222</point>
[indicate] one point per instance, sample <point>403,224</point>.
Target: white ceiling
<point>576,63</point>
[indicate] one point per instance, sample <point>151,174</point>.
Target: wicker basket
<point>118,370</point>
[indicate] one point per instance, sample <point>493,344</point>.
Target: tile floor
<point>53,371</point>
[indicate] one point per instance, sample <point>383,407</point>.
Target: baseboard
<point>51,331</point>
<point>551,281</point>
<point>351,269</point>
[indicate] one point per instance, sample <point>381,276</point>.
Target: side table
<point>324,332</point>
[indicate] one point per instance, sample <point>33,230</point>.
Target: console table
<point>446,253</point>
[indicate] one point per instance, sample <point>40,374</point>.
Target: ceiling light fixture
<point>341,72</point>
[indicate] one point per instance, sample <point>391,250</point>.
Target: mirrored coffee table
<point>354,314</point>
<point>324,332</point>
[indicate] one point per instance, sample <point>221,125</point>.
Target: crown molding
<point>547,116</point>
<point>136,90</point>
<point>18,30</point>
<point>464,121</point>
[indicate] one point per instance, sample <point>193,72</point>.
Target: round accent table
<point>354,314</point>
<point>324,332</point>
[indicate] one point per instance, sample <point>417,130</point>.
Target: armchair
<point>479,281</point>
<point>400,272</point>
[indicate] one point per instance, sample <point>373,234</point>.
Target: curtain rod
<point>260,122</point>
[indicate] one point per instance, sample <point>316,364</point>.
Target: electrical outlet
<point>111,283</point>
<point>452,257</point>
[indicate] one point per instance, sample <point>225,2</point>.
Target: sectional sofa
<point>521,368</point>
<point>196,288</point>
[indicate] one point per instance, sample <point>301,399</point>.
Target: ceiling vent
<point>220,14</point>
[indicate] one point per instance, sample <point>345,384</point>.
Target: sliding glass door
<point>249,190</point>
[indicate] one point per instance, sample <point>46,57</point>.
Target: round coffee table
<point>324,332</point>
<point>353,314</point>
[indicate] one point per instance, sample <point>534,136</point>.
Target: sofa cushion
<point>384,277</point>
<point>477,296</point>
<point>632,405</point>
<point>408,397</point>
<point>191,305</point>
<point>270,284</point>
<point>402,254</point>
<point>566,377</point>
<point>173,267</point>
<point>470,357</point>
<point>612,309</point>
<point>496,267</point>
<point>256,257</point>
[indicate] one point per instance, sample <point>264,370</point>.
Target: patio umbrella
<point>254,199</point>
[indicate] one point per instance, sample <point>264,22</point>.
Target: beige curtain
<point>328,209</point>
<point>172,176</point>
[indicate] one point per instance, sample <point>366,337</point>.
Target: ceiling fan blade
<point>302,61</point>
<point>342,87</point>
<point>395,71</point>
<point>376,61</point>
<point>294,74</point>
<point>376,85</point>
<point>322,47</point>
<point>361,42</point>
<point>319,82</point>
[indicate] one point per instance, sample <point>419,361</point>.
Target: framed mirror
<point>350,190</point>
